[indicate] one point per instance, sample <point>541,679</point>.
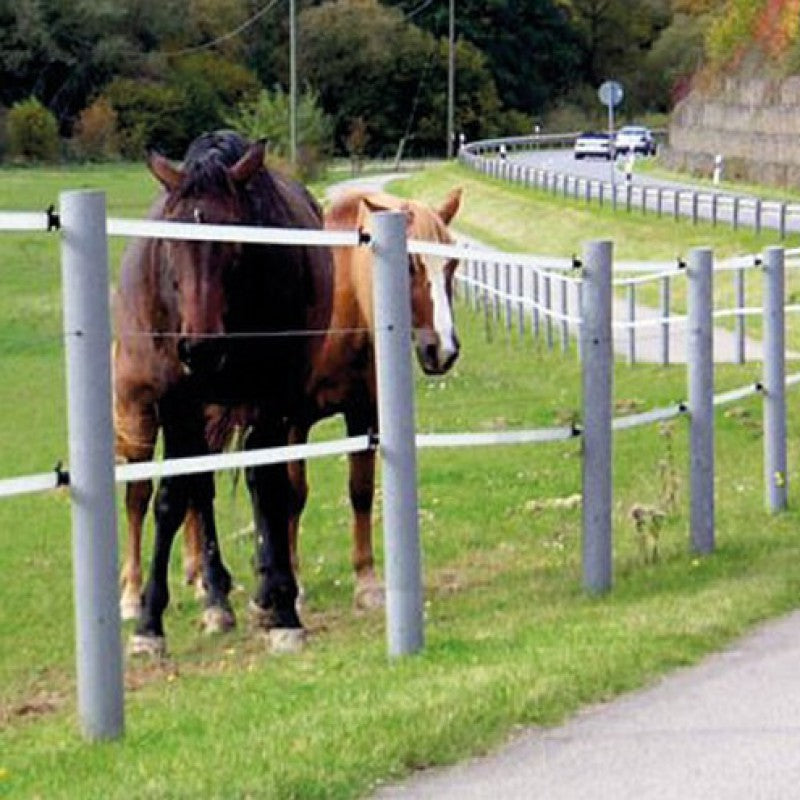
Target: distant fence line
<point>91,474</point>
<point>489,157</point>
<point>544,302</point>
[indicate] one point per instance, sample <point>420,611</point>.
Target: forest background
<point>106,79</point>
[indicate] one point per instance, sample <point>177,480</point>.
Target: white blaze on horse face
<point>442,312</point>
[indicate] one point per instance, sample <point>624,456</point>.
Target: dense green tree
<point>531,50</point>
<point>615,37</point>
<point>367,61</point>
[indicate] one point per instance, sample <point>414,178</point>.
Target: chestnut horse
<point>342,378</point>
<point>200,324</point>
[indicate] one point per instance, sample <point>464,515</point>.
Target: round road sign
<point>611,93</point>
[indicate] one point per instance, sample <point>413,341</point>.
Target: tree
<point>616,36</point>
<point>267,117</point>
<point>367,61</point>
<point>530,48</point>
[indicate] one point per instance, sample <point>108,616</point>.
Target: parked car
<point>592,144</point>
<point>635,138</point>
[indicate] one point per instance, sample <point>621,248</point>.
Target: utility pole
<point>292,82</point>
<point>451,79</point>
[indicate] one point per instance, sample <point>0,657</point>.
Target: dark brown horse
<point>203,325</point>
<point>342,378</point>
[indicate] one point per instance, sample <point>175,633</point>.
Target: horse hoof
<point>142,645</point>
<point>217,619</point>
<point>286,640</point>
<point>260,618</point>
<point>129,608</point>
<point>369,597</point>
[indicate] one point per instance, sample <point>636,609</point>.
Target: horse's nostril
<point>431,354</point>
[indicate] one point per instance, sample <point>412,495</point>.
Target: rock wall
<point>754,124</point>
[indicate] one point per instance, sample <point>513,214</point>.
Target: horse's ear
<point>373,205</point>
<point>407,209</point>
<point>450,206</point>
<point>249,163</point>
<point>163,171</point>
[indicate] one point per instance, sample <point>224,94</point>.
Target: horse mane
<point>272,199</point>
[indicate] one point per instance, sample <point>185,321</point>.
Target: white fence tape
<point>23,221</point>
<point>202,232</point>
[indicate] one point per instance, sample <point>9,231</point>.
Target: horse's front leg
<point>369,592</point>
<point>137,499</point>
<point>298,495</point>
<point>172,500</point>
<point>183,436</point>
<point>136,429</point>
<point>218,616</point>
<point>274,602</point>
<point>193,552</point>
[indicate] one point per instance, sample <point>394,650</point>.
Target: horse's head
<point>435,336</point>
<point>207,188</point>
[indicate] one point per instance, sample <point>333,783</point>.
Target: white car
<point>636,139</point>
<point>593,144</point>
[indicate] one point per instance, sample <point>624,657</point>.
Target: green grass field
<point>511,638</point>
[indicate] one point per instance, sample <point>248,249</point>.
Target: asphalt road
<point>644,189</point>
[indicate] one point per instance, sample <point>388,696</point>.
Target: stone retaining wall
<point>754,124</point>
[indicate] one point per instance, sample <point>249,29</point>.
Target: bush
<point>267,117</point>
<point>32,132</point>
<point>149,116</point>
<point>95,137</point>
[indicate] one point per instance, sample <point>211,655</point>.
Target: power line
<point>225,36</point>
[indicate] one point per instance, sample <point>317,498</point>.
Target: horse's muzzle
<point>201,358</point>
<point>436,361</point>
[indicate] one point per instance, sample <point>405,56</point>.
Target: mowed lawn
<point>511,638</point>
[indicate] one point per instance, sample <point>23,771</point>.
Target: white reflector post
<point>403,567</point>
<point>85,280</point>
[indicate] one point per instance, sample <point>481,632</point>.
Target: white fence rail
<point>92,472</point>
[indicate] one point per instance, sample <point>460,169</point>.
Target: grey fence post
<point>565,315</point>
<point>714,203</point>
<point>508,302</point>
<point>496,292</point>
<point>402,559</point>
<point>695,207</point>
<point>87,331</point>
<point>601,193</point>
<point>735,214</point>
<point>521,301</point>
<point>665,306</point>
<point>631,297</point>
<point>774,382</point>
<point>740,318</point>
<point>487,319</point>
<point>548,309</point>
<point>536,315</point>
<point>676,203</point>
<point>659,201</point>
<point>757,215</point>
<point>597,378</point>
<point>700,361</point>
